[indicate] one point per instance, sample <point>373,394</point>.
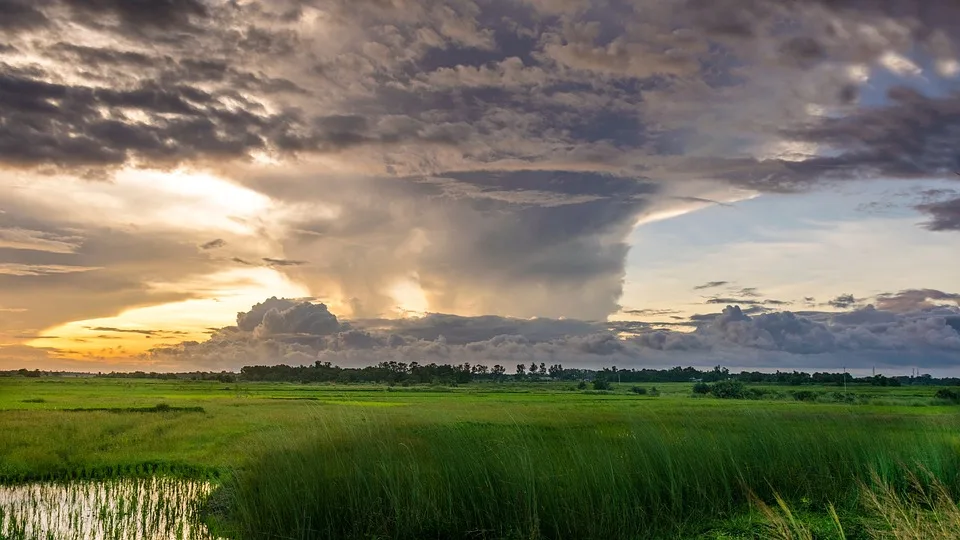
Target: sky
<point>208,184</point>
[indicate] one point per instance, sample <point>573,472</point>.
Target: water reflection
<point>134,509</point>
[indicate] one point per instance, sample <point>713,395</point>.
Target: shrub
<point>804,395</point>
<point>842,397</point>
<point>728,389</point>
<point>601,383</point>
<point>948,395</point>
<point>582,385</point>
<point>701,388</point>
<point>639,390</point>
<point>654,392</point>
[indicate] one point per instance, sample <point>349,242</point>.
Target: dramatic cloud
<point>477,157</point>
<point>436,87</point>
<point>457,330</point>
<point>299,332</point>
<point>564,258</point>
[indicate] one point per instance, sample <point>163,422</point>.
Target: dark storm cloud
<point>944,216</point>
<point>20,15</point>
<point>498,153</point>
<point>916,135</point>
<point>552,243</point>
<point>134,14</point>
<point>441,86</point>
<point>54,124</point>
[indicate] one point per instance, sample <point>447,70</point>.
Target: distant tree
<point>521,370</point>
<point>543,368</point>
<point>498,372</point>
<point>533,369</point>
<point>718,373</point>
<point>556,371</point>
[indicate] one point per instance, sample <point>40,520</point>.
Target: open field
<point>539,460</point>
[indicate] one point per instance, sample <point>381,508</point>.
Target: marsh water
<point>132,509</point>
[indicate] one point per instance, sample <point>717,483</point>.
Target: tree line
<point>416,373</point>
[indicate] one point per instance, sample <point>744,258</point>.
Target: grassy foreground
<point>631,476</point>
<point>496,461</point>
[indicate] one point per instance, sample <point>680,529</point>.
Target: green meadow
<point>502,461</point>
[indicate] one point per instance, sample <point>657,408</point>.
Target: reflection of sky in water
<point>151,509</point>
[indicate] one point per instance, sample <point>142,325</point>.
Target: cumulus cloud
<point>552,260</point>
<point>280,330</point>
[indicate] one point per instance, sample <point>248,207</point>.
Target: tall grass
<point>926,511</point>
<point>371,477</point>
<point>136,509</point>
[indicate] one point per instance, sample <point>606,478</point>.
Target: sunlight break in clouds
<point>136,330</point>
<point>181,199</point>
<point>584,161</point>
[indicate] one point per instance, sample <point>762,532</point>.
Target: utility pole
<point>844,379</point>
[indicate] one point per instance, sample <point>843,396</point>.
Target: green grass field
<point>490,461</point>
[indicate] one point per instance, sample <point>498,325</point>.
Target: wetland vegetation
<point>518,459</point>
